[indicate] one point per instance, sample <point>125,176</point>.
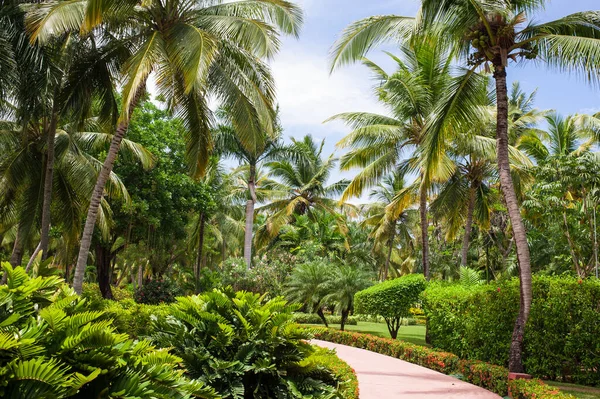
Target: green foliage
<point>154,292</point>
<point>92,293</point>
<point>265,276</point>
<point>311,318</point>
<point>560,339</point>
<point>53,346</point>
<point>530,389</point>
<point>343,374</point>
<point>241,344</point>
<point>392,299</point>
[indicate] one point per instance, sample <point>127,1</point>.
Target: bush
<point>53,346</point>
<point>561,338</point>
<point>154,292</point>
<point>391,299</point>
<point>313,318</point>
<point>342,374</point>
<point>241,344</point>
<point>263,277</point>
<point>529,389</point>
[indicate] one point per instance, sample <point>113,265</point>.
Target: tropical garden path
<point>384,377</point>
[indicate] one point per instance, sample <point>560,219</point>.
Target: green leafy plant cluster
<point>53,346</point>
<point>313,318</point>
<point>264,276</point>
<point>561,339</point>
<point>528,389</point>
<point>392,299</point>
<point>154,292</point>
<point>244,345</point>
<point>342,373</point>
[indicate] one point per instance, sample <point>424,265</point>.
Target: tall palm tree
<point>194,49</point>
<point>389,228</point>
<point>493,33</point>
<point>302,188</point>
<point>228,143</point>
<point>423,84</point>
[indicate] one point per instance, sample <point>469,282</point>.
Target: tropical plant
<point>307,286</point>
<point>303,188</point>
<point>204,49</point>
<point>53,346</point>
<point>345,281</point>
<point>488,33</point>
<point>242,345</point>
<point>423,84</point>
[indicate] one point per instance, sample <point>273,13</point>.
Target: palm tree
<point>195,49</point>
<point>302,188</point>
<point>423,84</point>
<point>344,281</point>
<point>307,286</point>
<point>389,228</point>
<point>228,143</point>
<point>493,33</point>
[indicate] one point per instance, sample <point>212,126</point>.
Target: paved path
<point>384,377</point>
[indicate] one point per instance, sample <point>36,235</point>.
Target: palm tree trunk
<point>468,227</point>
<point>90,221</point>
<point>250,216</point>
<point>386,268</point>
<point>48,180</point>
<point>103,259</point>
<point>322,316</point>
<point>344,317</point>
<point>200,247</point>
<point>518,227</point>
<point>16,257</point>
<point>424,230</point>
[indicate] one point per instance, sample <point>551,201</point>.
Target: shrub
<point>154,292</point>
<point>313,318</point>
<point>53,346</point>
<point>342,374</point>
<point>263,277</point>
<point>241,344</point>
<point>529,389</point>
<point>91,292</point>
<point>561,338</point>
<point>391,299</point>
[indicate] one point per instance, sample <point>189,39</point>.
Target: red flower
<point>580,281</point>
<point>498,289</point>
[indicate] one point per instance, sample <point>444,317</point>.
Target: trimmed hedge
<point>561,339</point>
<point>526,389</point>
<point>340,370</point>
<point>491,377</point>
<point>392,299</point>
<point>313,318</point>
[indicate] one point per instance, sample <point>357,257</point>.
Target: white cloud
<point>308,95</point>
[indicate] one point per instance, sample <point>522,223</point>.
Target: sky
<point>308,94</point>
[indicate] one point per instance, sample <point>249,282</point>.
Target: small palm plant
<point>343,282</point>
<point>307,286</point>
<point>52,346</point>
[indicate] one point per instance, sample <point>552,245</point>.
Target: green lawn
<point>412,334</point>
<point>579,391</point>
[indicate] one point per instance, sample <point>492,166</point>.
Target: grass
<point>412,334</point>
<point>579,391</point>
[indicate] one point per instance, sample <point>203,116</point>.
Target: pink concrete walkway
<point>384,377</point>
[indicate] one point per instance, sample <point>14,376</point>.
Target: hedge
<point>313,318</point>
<point>526,389</point>
<point>392,299</point>
<point>561,339</point>
<point>340,370</point>
<point>491,377</point>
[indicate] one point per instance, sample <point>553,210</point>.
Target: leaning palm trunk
<point>48,180</point>
<point>386,268</point>
<point>92,215</point>
<point>518,228</point>
<point>16,257</point>
<point>468,227</point>
<point>250,216</point>
<point>200,249</point>
<point>424,229</point>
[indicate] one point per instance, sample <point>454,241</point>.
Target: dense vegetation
<point>120,123</point>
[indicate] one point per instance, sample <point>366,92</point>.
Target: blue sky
<point>308,94</point>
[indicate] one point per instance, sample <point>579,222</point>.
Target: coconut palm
<point>194,49</point>
<point>493,33</point>
<point>344,281</point>
<point>307,286</point>
<point>391,230</point>
<point>229,144</point>
<point>423,84</point>
<point>302,188</point>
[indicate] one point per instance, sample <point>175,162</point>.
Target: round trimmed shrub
<point>391,299</point>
